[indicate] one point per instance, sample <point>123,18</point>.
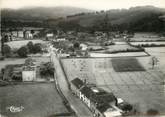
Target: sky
<point>88,4</point>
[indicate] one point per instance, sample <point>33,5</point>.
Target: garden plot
<point>139,87</point>
<point>126,64</point>
<point>35,100</point>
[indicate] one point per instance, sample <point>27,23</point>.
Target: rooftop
<point>98,96</point>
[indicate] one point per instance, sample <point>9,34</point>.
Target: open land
<point>18,44</point>
<point>142,88</point>
<point>38,100</point>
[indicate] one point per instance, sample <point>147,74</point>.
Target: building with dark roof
<point>98,100</point>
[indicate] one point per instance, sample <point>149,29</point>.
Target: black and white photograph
<point>82,58</point>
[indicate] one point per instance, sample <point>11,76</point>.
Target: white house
<point>28,73</point>
<point>49,35</point>
<point>83,46</point>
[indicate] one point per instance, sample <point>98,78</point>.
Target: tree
<point>153,61</point>
<point>47,69</point>
<point>127,107</point>
<point>22,52</point>
<point>6,50</point>
<point>30,47</point>
<point>32,32</point>
<point>37,48</point>
<point>76,45</point>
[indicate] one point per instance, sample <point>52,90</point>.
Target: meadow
<point>18,44</point>
<point>37,100</point>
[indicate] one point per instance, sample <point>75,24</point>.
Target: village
<point>62,69</point>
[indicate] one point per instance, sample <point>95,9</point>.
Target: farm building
<point>28,73</point>
<point>49,35</point>
<point>29,70</point>
<point>100,102</point>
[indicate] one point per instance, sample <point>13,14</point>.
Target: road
<point>78,106</point>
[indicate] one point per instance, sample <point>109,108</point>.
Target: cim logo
<point>15,109</point>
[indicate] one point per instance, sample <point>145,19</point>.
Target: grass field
<point>140,43</point>
<point>141,88</point>
<point>38,100</point>
<point>18,44</point>
<point>117,48</point>
<point>146,36</point>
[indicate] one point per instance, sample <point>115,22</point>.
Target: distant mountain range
<point>148,18</point>
<point>40,13</point>
<point>120,16</point>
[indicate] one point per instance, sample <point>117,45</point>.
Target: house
<point>29,70</point>
<point>49,35</point>
<point>83,46</point>
<point>27,34</point>
<point>100,102</point>
<point>28,73</point>
<point>76,85</point>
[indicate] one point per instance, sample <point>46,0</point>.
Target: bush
<point>22,52</point>
<point>47,69</point>
<point>30,47</point>
<point>127,107</point>
<point>7,50</point>
<point>37,48</point>
<point>34,48</point>
<point>76,45</point>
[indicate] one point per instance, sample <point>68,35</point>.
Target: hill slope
<point>39,13</point>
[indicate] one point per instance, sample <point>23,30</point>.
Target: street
<point>76,104</point>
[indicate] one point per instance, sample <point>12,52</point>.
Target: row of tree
<point>23,51</point>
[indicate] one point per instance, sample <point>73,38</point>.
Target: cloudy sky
<point>89,4</point>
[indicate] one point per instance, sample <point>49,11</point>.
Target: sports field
<point>35,100</point>
<point>141,87</point>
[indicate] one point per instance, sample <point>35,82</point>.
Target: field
<point>95,54</point>
<point>37,100</point>
<point>146,36</point>
<point>18,44</point>
<point>117,48</point>
<point>143,89</point>
<point>155,43</point>
<point>126,65</point>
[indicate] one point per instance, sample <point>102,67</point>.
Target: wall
<point>28,75</point>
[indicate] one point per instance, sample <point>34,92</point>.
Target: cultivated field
<point>18,44</point>
<point>147,37</point>
<point>155,43</point>
<point>143,89</point>
<point>116,48</point>
<point>95,54</point>
<point>37,100</point>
